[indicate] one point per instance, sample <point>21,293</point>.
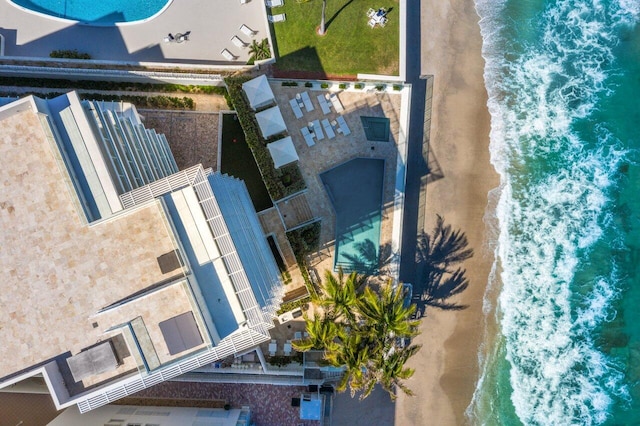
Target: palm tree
<point>391,371</point>
<point>353,355</point>
<point>322,331</point>
<point>321,31</point>
<point>259,51</point>
<point>339,296</point>
<point>386,315</point>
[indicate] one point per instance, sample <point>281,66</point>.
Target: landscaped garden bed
<point>282,182</point>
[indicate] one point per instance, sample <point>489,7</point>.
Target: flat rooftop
<point>212,24</point>
<point>58,272</point>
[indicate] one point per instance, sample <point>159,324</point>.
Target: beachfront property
<point>121,272</point>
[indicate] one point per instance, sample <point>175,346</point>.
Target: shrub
<point>380,87</point>
<point>280,182</point>
<point>397,87</point>
<point>308,84</point>
<point>290,306</point>
<point>324,85</point>
<point>359,85</point>
<point>290,83</point>
<point>69,54</point>
<point>305,240</point>
<point>342,86</point>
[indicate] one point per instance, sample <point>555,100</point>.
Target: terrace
<point>31,35</point>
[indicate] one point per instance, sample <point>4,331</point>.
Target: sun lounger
<point>324,105</point>
<point>247,31</point>
<point>228,55</point>
<point>238,42</point>
<point>328,129</point>
<point>296,108</point>
<point>274,3</point>
<point>317,130</point>
<point>273,346</point>
<point>308,137</point>
<point>307,102</point>
<point>335,101</point>
<point>343,126</point>
<point>277,18</point>
<point>287,348</point>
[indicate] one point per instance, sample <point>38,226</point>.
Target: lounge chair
<point>274,3</point>
<point>308,137</point>
<point>307,101</point>
<point>238,42</point>
<point>328,129</point>
<point>344,128</point>
<point>323,104</point>
<point>247,31</point>
<point>296,108</point>
<point>228,55</point>
<point>277,18</point>
<point>335,101</point>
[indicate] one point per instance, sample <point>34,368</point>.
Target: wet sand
<point>447,365</point>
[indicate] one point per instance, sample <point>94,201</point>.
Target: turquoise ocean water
<point>563,319</point>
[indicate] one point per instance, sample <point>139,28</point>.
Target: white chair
<point>372,22</point>
<point>273,347</point>
<point>277,18</point>
<point>370,13</point>
<point>383,22</point>
<point>228,55</point>
<point>274,3</point>
<point>238,42</point>
<point>247,31</point>
<point>335,101</point>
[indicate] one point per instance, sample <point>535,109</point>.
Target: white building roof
<point>271,121</point>
<point>283,152</point>
<point>258,92</point>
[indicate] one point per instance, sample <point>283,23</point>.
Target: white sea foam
<point>550,215</point>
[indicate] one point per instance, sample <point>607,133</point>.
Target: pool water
<point>96,12</point>
<point>355,190</point>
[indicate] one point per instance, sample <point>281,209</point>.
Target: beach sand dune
<point>447,366</point>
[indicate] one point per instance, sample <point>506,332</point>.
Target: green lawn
<point>349,46</point>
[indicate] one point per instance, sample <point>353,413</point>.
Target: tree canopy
<point>363,332</point>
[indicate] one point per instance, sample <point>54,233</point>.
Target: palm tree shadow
<point>335,15</point>
<point>369,260</point>
<point>437,255</point>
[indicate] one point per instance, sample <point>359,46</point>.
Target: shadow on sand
<point>438,275</point>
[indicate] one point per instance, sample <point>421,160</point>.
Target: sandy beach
<point>447,365</point>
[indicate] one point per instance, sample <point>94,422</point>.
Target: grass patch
<point>238,161</point>
<point>349,45</point>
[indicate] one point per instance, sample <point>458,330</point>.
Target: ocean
<point>562,345</point>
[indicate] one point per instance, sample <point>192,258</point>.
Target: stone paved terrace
<point>270,405</point>
<point>329,153</point>
<point>58,271</point>
<point>212,24</point>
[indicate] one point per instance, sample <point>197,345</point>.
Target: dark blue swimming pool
<point>355,189</point>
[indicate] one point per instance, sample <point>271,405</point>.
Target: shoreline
<point>447,367</point>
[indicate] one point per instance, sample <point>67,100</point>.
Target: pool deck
<point>212,24</point>
<point>328,153</point>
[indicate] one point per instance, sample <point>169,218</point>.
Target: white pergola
<point>271,121</point>
<point>283,152</point>
<point>258,92</point>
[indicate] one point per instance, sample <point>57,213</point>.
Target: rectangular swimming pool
<point>355,190</point>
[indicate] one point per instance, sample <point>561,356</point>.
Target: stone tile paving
<point>192,136</point>
<point>270,405</point>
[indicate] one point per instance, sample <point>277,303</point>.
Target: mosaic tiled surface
<point>270,405</point>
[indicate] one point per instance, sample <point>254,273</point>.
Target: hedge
<point>55,83</point>
<point>280,182</point>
